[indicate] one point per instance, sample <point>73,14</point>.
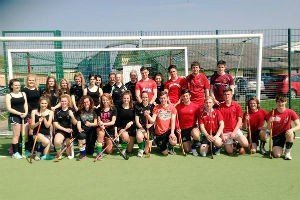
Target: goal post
<point>243,52</point>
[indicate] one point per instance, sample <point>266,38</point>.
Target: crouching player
<point>282,131</point>
<point>232,115</point>
<point>86,123</point>
<point>211,125</point>
<point>164,117</point>
<point>187,117</point>
<point>63,120</point>
<point>256,117</point>
<point>42,117</point>
<point>143,124</point>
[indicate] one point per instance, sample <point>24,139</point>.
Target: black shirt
<point>63,117</point>
<point>117,94</point>
<point>85,116</point>
<point>131,87</point>
<point>125,116</point>
<point>107,88</point>
<point>33,97</point>
<point>139,111</point>
<point>77,91</point>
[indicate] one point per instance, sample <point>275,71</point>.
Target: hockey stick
<point>23,137</point>
<point>180,138</point>
<point>101,153</point>
<point>116,146</point>
<point>210,133</point>
<point>64,149</point>
<point>271,135</point>
<point>249,130</point>
<point>34,143</point>
<point>148,140</point>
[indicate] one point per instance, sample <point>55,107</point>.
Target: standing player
<point>146,84</point>
<point>211,125</point>
<point>158,78</point>
<point>142,125</point>
<point>219,82</point>
<point>117,90</point>
<point>76,90</point>
<point>93,91</point>
<point>175,85</point>
<point>232,115</point>
<point>51,92</point>
<point>112,80</point>
<point>198,84</point>
<point>131,84</point>
<point>16,104</point>
<point>283,133</point>
<point>164,117</point>
<point>257,118</point>
<point>187,117</point>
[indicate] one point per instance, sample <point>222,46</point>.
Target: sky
<point>148,15</point>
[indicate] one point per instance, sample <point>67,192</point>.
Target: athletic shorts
<point>131,131</point>
<point>229,140</point>
<point>279,140</point>
<point>65,134</point>
<point>254,137</point>
<point>15,119</point>
<point>151,132</point>
<point>162,141</point>
<point>186,134</point>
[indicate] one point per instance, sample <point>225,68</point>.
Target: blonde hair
<point>70,104</point>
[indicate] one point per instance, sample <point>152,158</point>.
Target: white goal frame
<point>259,36</point>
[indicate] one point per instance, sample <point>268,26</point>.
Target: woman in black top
<point>51,92</point>
<point>99,81</point>
<point>43,115</point>
<point>86,123</point>
<point>94,91</point>
<point>125,122</point>
<point>16,104</point>
<point>76,90</point>
<point>158,78</point>
<point>63,120</point>
<point>33,95</point>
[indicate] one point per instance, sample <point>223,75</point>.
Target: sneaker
<point>262,150</point>
<point>37,156</point>
<point>194,152</point>
<point>17,156</point>
<point>217,151</point>
<point>172,151</point>
<point>27,154</point>
<point>124,152</point>
<point>70,157</point>
<point>81,157</point>
<point>203,154</point>
<point>140,153</point>
<point>47,157</point>
<point>288,156</point>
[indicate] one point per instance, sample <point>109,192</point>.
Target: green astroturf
<point>157,178</point>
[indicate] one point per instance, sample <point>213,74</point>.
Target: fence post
<point>289,65</point>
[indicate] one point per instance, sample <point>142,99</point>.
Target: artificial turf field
<point>156,178</point>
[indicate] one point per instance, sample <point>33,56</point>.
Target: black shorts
<point>65,134</point>
<point>131,131</point>
<point>186,134</point>
<point>110,131</point>
<point>15,119</point>
<point>279,140</point>
<point>254,137</point>
<point>162,141</point>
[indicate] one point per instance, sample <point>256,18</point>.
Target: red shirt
<point>146,85</point>
<point>211,121</point>
<point>282,121</point>
<point>220,83</point>
<point>197,85</point>
<point>187,115</point>
<point>257,119</point>
<point>163,119</point>
<point>174,88</point>
<point>230,114</point>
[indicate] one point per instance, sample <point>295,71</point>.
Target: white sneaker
<point>124,152</point>
<point>70,157</point>
<point>288,156</point>
<point>37,156</point>
<point>17,156</point>
<point>194,152</point>
<point>140,153</point>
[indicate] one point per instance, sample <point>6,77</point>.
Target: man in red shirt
<point>175,85</point>
<point>211,124</point>
<point>164,117</point>
<point>232,115</point>
<point>146,84</point>
<point>219,82</point>
<point>198,84</point>
<point>187,117</point>
<point>282,131</point>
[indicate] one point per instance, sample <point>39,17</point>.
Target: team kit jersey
<point>43,129</point>
<point>77,91</point>
<point>131,87</point>
<point>53,96</point>
<point>139,111</point>
<point>211,120</point>
<point>220,83</point>
<point>106,116</point>
<point>125,116</point>
<point>146,85</point>
<point>33,97</point>
<point>86,116</point>
<point>282,121</point>
<point>187,115</point>
<point>163,119</point>
<point>230,114</point>
<point>174,88</point>
<point>116,94</point>
<point>257,119</point>
<point>94,95</point>
<point>197,86</point>
<point>63,118</point>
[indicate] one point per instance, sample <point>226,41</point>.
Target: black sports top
<point>33,97</point>
<point>44,130</point>
<point>94,95</point>
<point>17,103</point>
